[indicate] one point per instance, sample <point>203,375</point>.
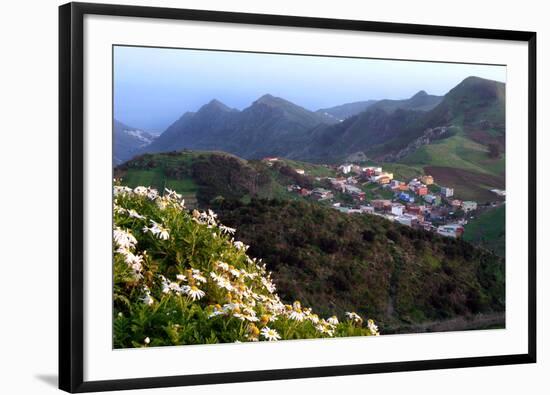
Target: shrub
<point>181,278</point>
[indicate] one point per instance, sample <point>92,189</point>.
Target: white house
<point>469,205</point>
<point>345,168</point>
<point>407,219</point>
<point>450,230</point>
<point>397,209</point>
<point>447,192</point>
<point>367,209</point>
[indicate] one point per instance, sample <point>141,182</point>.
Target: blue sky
<point>154,86</point>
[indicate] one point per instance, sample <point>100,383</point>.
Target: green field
<point>311,169</point>
<point>375,191</point>
<point>459,152</point>
<point>403,172</point>
<point>488,230</point>
<point>156,179</point>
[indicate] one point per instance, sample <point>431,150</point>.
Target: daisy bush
<point>180,277</point>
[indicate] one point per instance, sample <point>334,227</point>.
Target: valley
<point>385,207</point>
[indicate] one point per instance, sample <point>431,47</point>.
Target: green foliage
<point>205,176</point>
<point>180,278</point>
<point>337,262</point>
<point>488,230</point>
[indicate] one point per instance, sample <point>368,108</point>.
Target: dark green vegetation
<point>338,262</point>
<point>208,176</point>
<point>488,230</point>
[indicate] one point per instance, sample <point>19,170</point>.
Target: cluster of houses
<point>414,203</point>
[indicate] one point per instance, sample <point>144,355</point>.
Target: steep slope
<point>360,133</point>
<point>474,110</point>
<point>196,130</point>
<point>127,141</point>
<point>270,126</point>
<point>388,130</point>
<point>336,262</point>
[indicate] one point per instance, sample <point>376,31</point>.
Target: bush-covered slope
<point>209,175</point>
<point>336,262</point>
<point>180,278</point>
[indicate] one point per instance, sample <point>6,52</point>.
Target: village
<point>419,203</point>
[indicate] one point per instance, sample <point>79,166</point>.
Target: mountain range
<point>128,141</point>
<point>379,130</point>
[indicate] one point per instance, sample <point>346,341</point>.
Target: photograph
<point>278,196</point>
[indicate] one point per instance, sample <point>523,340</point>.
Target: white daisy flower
<point>147,299</point>
<point>324,329</point>
<point>352,316</point>
<point>152,193</point>
<point>198,276</point>
<point>172,194</point>
<point>121,190</point>
<point>140,191</point>
<point>333,320</point>
<point>124,239</point>
<point>239,245</point>
<point>227,229</point>
<point>270,334</point>
<point>134,214</point>
<point>195,293</point>
<point>222,265</point>
<point>133,259</point>
<point>297,315</point>
<point>373,328</point>
<point>174,287</point>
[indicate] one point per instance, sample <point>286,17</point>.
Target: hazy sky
<point>155,86</point>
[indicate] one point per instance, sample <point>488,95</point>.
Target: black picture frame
<point>71,173</point>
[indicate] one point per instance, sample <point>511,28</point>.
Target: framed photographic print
<point>258,197</point>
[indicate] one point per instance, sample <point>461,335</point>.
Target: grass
<point>375,191</point>
<point>488,230</point>
<point>401,171</point>
<point>157,179</point>
<point>457,151</point>
<point>311,169</point>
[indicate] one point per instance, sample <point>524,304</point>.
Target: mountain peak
<point>420,94</point>
<point>215,104</point>
<point>269,100</point>
<point>277,103</point>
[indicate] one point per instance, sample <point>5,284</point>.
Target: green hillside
<point>488,230</point>
<point>472,160</point>
<point>463,164</point>
<point>336,262</point>
<point>179,277</point>
<point>204,176</point>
